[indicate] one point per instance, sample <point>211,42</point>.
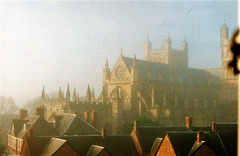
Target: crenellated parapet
<point>166,54</point>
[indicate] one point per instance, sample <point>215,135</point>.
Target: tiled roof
<point>34,146</point>
<point>195,147</point>
<point>226,127</point>
<point>17,124</point>
<point>114,144</point>
<point>40,128</point>
<point>95,150</point>
<point>70,124</point>
<point>215,143</point>
<point>229,140</point>
<point>182,142</point>
<point>148,134</point>
<point>164,69</point>
<point>53,145</point>
<point>155,147</point>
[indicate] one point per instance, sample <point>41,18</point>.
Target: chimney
<point>86,116</point>
<point>93,117</point>
<point>40,111</point>
<point>103,132</point>
<point>213,126</point>
<point>188,122</point>
<point>22,113</point>
<point>200,136</point>
<point>30,133</point>
<point>136,125</point>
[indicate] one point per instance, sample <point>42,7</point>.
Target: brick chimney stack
<point>103,132</point>
<point>86,116</point>
<point>213,126</point>
<point>135,125</point>
<point>200,136</point>
<point>188,122</point>
<point>22,113</point>
<point>40,111</point>
<point>93,117</point>
<point>30,133</point>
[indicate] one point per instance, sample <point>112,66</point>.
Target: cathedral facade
<point>161,86</point>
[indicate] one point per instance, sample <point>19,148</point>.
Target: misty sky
<point>56,43</point>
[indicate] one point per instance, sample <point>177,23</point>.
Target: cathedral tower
<point>224,42</point>
<point>147,49</point>
<point>225,53</point>
<point>167,45</point>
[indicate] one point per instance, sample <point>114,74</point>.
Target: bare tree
<point>8,105</point>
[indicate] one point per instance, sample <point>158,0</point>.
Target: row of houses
<point>69,134</point>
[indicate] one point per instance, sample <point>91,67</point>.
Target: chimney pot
<point>188,122</point>
<point>136,125</point>
<point>103,132</point>
<point>200,136</point>
<point>213,126</point>
<point>86,116</point>
<point>22,113</point>
<point>40,111</point>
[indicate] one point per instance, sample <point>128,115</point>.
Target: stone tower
<point>167,54</point>
<point>225,54</point>
<point>147,49</point>
<point>167,45</point>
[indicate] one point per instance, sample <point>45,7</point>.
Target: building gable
<point>201,149</point>
<point>166,148</point>
<point>120,71</point>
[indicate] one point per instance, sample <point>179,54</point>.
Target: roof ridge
<point>69,124</point>
<point>222,143</point>
<point>88,124</point>
<point>59,139</point>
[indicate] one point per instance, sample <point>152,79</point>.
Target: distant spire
<point>121,51</point>
<point>43,93</point>
<point>60,93</point>
<point>74,97</point>
<point>134,60</point>
<point>88,96</point>
<point>224,26</point>
<point>68,92</point>
<point>106,64</point>
<point>93,95</point>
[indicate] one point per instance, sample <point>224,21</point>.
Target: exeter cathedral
<point>160,86</point>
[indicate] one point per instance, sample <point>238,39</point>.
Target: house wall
<point>104,153</point>
<point>66,150</point>
<point>15,144</point>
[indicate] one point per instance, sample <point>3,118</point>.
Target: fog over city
<point>56,43</point>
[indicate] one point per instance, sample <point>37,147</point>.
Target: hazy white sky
<point>55,43</point>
